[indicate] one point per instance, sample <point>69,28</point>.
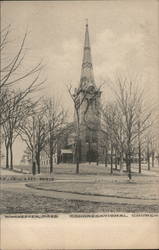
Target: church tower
<point>90,107</point>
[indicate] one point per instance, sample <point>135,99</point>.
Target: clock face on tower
<point>90,93</point>
<point>91,89</point>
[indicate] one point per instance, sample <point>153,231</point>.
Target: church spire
<point>87,76</point>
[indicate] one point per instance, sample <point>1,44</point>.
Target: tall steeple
<point>88,96</point>
<point>87,76</point>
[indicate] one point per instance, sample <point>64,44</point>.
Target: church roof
<point>87,76</point>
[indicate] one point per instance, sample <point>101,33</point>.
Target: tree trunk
<point>11,157</point>
<point>77,158</point>
<point>34,152</point>
<point>38,161</point>
<point>89,153</point>
<point>51,163</point>
<point>116,161</point>
<point>33,162</point>
<point>74,157</point>
<point>153,158</point>
<point>97,159</point>
<point>129,161</point>
<point>111,160</point>
<point>78,142</point>
<point>97,155</point>
<point>129,171</point>
<point>148,157</point>
<point>121,161</point>
<point>7,156</point>
<point>139,155</point>
<point>106,158</point>
<point>139,147</point>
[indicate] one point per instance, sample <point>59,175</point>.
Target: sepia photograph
<point>79,115</point>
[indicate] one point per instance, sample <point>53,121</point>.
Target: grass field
<point>93,181</point>
<point>27,203</point>
<point>143,188</point>
<point>85,169</point>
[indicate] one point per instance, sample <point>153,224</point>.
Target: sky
<point>124,38</point>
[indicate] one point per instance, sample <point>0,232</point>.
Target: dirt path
<point>20,187</point>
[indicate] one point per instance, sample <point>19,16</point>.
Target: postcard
<point>79,108</point>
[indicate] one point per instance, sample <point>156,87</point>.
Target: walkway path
<point>21,187</point>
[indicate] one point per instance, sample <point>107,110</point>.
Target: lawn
<point>12,202</point>
<point>85,169</point>
<point>143,187</point>
<point>92,180</point>
<point>97,180</point>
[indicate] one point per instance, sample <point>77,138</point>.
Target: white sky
<point>124,39</point>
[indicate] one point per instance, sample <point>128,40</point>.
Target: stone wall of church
<point>89,150</point>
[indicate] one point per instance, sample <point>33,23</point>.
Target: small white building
<point>45,160</point>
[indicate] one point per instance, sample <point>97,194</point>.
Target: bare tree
<point>15,112</point>
<point>83,95</point>
<point>55,118</point>
<point>34,125</point>
<point>6,142</point>
<point>27,156</point>
<point>78,97</point>
<point>111,127</point>
<point>150,144</point>
<point>41,134</point>
<point>144,123</point>
<point>26,134</point>
<point>129,99</point>
<point>12,74</point>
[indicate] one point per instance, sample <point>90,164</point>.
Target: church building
<point>89,97</point>
<point>89,116</point>
<point>90,107</point>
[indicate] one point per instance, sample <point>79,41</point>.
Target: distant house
<point>45,161</point>
<point>66,155</point>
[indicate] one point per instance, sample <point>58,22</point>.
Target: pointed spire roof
<point>87,76</point>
